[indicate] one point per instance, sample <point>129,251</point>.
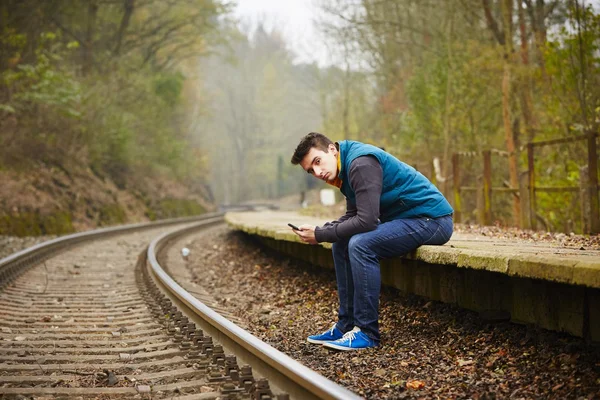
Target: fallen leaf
<point>462,363</point>
<point>415,384</point>
<point>555,388</point>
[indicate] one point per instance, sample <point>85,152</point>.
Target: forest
<point>176,107</point>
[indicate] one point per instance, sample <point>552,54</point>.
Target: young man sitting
<point>391,209</point>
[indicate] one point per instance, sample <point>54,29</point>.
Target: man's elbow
<point>368,224</point>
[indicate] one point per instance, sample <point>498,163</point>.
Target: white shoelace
<point>332,328</point>
<point>351,335</point>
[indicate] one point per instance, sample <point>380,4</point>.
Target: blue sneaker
<point>328,336</point>
<point>352,340</point>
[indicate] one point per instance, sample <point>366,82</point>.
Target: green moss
<point>35,224</point>
<point>57,224</point>
<point>111,214</point>
<point>172,208</point>
<point>151,214</point>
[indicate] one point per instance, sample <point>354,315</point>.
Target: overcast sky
<point>294,18</point>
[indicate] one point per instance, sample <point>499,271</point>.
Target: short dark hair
<point>313,139</point>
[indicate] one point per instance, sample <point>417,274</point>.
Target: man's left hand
<point>307,234</point>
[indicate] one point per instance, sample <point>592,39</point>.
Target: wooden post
<point>593,183</point>
<point>480,202</point>
<point>531,186</point>
<point>487,187</point>
<point>584,190</point>
<point>524,199</point>
<point>456,187</point>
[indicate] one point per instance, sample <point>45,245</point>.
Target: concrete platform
<point>553,287</point>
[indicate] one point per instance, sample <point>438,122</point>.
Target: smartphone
<point>294,227</point>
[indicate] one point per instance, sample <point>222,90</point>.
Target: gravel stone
<point>13,244</point>
<point>112,379</point>
<point>143,389</point>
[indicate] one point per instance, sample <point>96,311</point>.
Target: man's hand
<point>307,233</point>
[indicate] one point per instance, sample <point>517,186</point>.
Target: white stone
<point>143,389</point>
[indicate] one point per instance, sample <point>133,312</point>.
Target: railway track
<point>95,315</point>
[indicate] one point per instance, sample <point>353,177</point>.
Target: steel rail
<point>286,373</point>
<point>15,264</point>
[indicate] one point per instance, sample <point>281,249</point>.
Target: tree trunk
<point>491,22</point>
<point>582,92</point>
<point>537,14</point>
<point>513,167</point>
<point>88,54</point>
<point>346,109</point>
<point>526,101</point>
<point>128,6</point>
<point>541,31</point>
<point>448,107</point>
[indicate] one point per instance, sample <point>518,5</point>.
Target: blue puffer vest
<point>406,193</point>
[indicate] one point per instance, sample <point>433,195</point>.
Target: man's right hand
<point>307,234</point>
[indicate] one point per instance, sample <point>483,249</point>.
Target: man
<point>391,209</point>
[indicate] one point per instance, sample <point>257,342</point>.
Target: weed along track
<point>102,319</point>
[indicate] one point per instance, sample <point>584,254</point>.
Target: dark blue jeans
<point>357,265</point>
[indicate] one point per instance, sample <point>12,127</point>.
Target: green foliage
<point>570,97</point>
<point>573,66</point>
<point>172,208</point>
<point>119,107</point>
<point>44,98</point>
<point>43,83</point>
<point>34,224</point>
<point>168,87</point>
<point>111,214</point>
<point>454,90</point>
<point>103,85</point>
<point>439,83</point>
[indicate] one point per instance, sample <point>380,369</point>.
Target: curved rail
<point>287,374</point>
<point>15,264</point>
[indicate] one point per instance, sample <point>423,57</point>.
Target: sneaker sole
<point>344,348</point>
<point>314,341</point>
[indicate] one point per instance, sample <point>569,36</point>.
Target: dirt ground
<point>428,350</point>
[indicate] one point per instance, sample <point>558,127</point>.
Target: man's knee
<point>358,244</point>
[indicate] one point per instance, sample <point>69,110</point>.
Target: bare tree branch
<point>128,5</point>
<point>491,22</point>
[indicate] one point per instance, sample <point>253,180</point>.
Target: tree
<point>101,82</point>
<point>260,106</point>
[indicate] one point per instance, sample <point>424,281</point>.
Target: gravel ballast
<point>13,244</point>
<point>428,350</point>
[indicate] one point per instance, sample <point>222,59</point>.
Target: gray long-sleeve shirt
<point>366,179</point>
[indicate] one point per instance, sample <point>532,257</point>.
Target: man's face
<point>321,164</point>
